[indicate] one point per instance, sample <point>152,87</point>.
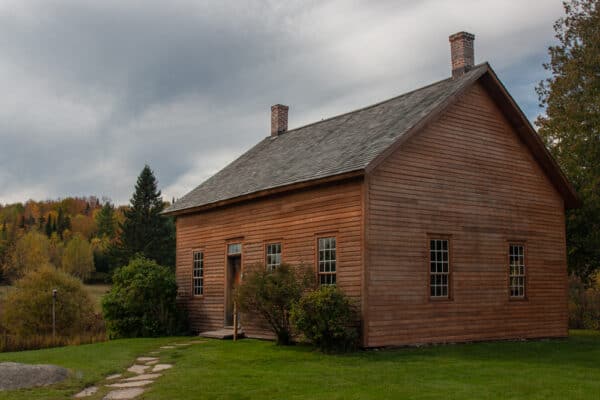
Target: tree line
<point>85,236</point>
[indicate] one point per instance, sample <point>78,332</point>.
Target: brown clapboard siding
<point>295,219</point>
<point>467,175</point>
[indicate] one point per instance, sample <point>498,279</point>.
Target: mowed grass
<point>88,363</point>
<point>252,369</point>
<point>554,369</point>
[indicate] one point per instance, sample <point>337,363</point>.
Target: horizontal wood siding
<point>466,175</point>
<point>294,219</point>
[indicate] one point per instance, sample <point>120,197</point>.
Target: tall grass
<point>36,342</point>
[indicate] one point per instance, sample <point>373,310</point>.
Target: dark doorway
<point>234,272</point>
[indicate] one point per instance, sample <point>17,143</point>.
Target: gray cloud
<point>93,90</point>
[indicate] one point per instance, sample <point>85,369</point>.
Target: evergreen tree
<point>49,226</point>
<point>571,124</point>
<point>22,225</point>
<point>145,230</point>
<point>106,221</point>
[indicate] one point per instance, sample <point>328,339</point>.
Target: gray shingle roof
<point>345,143</point>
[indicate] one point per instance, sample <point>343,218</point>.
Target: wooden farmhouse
<point>440,211</point>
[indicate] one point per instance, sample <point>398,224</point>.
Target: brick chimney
<point>279,119</point>
<point>463,53</point>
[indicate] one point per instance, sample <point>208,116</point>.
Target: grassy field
<point>96,293</point>
<point>251,369</point>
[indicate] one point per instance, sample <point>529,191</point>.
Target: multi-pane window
<point>273,256</point>
<point>327,261</point>
<point>198,273</point>
<point>439,268</point>
<point>234,249</point>
<point>516,257</point>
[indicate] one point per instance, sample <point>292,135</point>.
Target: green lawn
<point>251,369</point>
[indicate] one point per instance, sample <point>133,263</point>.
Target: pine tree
<point>106,221</point>
<point>49,226</point>
<point>571,124</point>
<point>145,230</point>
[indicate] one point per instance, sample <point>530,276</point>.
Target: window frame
<point>266,249</point>
<point>331,235</point>
<point>450,294</point>
<point>525,275</point>
<point>202,277</point>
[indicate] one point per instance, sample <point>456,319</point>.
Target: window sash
<point>273,256</point>
<point>198,273</point>
<point>439,268</point>
<point>516,266</point>
<point>327,260</point>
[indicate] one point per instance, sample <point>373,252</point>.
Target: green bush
<point>28,308</point>
<point>584,303</point>
<point>142,302</point>
<point>328,319</point>
<point>271,294</point>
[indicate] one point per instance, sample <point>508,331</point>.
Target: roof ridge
<point>378,103</point>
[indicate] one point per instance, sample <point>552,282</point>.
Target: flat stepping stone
<point>138,369</point>
<point>130,384</point>
<point>167,347</point>
<point>144,359</point>
<point>125,394</point>
<point>152,362</point>
<point>86,392</point>
<point>161,367</point>
<point>182,344</point>
<point>143,377</point>
<point>112,377</point>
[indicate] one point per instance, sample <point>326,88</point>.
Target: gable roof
<point>334,147</point>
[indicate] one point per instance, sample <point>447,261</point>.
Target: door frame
<point>228,257</point>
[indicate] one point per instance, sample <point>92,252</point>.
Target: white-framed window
<point>327,260</point>
<point>516,258</point>
<point>234,249</point>
<point>273,252</point>
<point>439,268</point>
<point>198,274</point>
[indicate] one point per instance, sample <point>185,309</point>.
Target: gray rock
<point>20,376</point>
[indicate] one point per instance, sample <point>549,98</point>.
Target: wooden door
<point>234,273</point>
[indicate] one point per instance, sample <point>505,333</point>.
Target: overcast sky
<point>93,90</point>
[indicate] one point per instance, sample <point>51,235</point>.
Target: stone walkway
<point>126,386</point>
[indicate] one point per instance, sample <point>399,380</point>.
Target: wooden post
<point>235,321</point>
<point>54,314</point>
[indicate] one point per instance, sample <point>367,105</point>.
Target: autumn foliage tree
<point>78,258</point>
<point>571,124</point>
<point>30,253</point>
